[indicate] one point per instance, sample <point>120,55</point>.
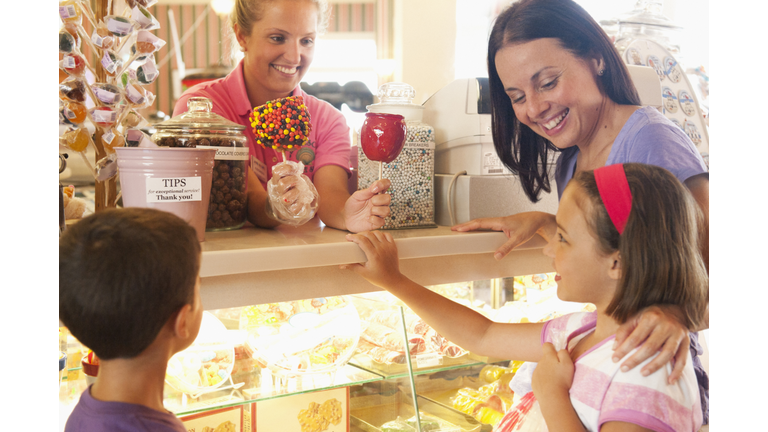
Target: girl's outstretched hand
<point>657,328</point>
<point>553,375</point>
<point>382,268</point>
<point>519,228</point>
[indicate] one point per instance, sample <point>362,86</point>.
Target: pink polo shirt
<point>329,141</point>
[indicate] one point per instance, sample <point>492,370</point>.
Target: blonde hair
<point>247,12</point>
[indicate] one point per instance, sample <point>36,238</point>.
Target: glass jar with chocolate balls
<point>201,128</point>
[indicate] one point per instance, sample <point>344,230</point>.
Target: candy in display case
<point>488,402</point>
<point>395,413</point>
<point>382,346</point>
<point>207,364</point>
<point>229,419</point>
<point>309,336</point>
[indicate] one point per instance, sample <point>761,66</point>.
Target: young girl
<point>626,239</point>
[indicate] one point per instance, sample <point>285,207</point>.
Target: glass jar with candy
<point>412,172</point>
<point>201,128</point>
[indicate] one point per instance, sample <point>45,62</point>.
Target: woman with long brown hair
<point>559,88</point>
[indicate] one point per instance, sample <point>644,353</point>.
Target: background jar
<point>201,128</point>
<point>412,173</point>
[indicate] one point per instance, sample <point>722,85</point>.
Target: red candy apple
<point>382,136</point>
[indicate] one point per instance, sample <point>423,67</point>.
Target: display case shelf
<point>401,371</point>
<point>255,266</point>
<point>271,387</point>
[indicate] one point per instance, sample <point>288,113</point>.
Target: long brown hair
<point>659,248</point>
<point>522,150</point>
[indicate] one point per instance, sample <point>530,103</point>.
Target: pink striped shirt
<point>602,393</point>
<point>329,141</point>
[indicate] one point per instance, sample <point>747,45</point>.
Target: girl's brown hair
<point>659,248</point>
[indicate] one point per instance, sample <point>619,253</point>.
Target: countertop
<point>253,265</point>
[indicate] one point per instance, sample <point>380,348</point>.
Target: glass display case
<point>341,363</point>
<point>393,371</point>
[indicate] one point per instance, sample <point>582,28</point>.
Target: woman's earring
<point>242,49</point>
<point>601,72</point>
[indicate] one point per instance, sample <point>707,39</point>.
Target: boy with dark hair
<point>129,290</point>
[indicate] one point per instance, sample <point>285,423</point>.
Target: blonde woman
<point>278,39</point>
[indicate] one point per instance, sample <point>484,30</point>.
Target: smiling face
<point>279,49</point>
<point>552,91</point>
<point>585,274</point>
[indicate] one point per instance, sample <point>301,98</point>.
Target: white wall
<point>691,15</point>
<point>425,40</point>
<point>473,25</point>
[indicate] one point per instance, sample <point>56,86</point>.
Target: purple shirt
<point>93,415</point>
<point>648,137</point>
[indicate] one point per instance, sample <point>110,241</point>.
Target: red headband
<point>614,191</point>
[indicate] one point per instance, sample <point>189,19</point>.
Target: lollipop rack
<point>121,47</point>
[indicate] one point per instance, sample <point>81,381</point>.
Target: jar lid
<point>397,98</point>
<point>648,12</point>
<point>199,117</point>
<point>395,94</point>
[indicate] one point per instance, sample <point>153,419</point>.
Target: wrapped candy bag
<point>102,37</point>
<point>143,18</point>
<point>75,65</point>
<point>284,125</point>
<point>136,96</point>
<point>112,138</point>
<point>106,167</point>
<point>147,73</point>
<point>137,138</point>
<point>108,94</point>
<point>69,42</point>
<point>119,26</point>
<point>73,112</point>
<point>78,139</point>
<point>73,89</point>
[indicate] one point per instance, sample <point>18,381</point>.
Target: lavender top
<point>648,137</point>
